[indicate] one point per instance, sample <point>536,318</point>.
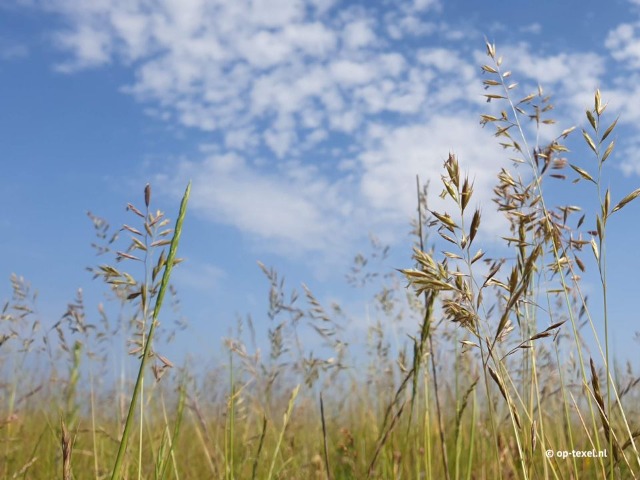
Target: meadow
<point>504,376</point>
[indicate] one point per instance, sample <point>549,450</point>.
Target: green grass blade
<point>164,284</point>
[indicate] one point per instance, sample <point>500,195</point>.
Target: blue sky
<point>302,124</point>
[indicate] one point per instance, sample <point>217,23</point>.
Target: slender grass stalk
<point>425,335</point>
<point>94,442</point>
<point>162,462</point>
<point>164,285</point>
<point>472,436</point>
<point>145,315</point>
<point>66,442</point>
<point>526,151</point>
<point>457,439</point>
<point>200,427</point>
<point>231,422</point>
<point>540,420</point>
<point>286,419</point>
<point>176,429</point>
<point>325,446</point>
<point>256,460</point>
<point>141,421</point>
<point>426,426</point>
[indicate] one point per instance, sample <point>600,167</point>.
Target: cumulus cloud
<point>624,45</point>
<point>395,156</point>
<point>90,48</point>
<point>572,76</point>
<point>223,65</point>
<point>326,110</point>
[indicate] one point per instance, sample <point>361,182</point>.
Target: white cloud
<point>358,34</point>
<point>134,27</point>
<point>399,27</point>
<point>423,5</point>
<point>275,13</point>
<point>219,65</point>
<point>241,139</point>
<point>281,208</point>
<point>322,6</point>
<point>199,276</point>
<point>534,28</point>
<point>446,61</point>
<point>265,49</point>
<point>301,209</point>
<point>624,44</point>
<point>572,77</point>
<point>631,165</point>
<point>286,79</point>
<point>553,68</point>
<point>395,156</point>
<point>10,50</point>
<point>281,137</point>
<point>312,38</point>
<point>91,48</point>
<point>351,73</point>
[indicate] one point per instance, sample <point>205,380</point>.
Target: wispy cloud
<point>199,276</point>
<point>295,207</point>
<point>533,28</point>
<point>11,50</point>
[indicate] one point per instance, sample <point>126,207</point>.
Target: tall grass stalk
<point>285,421</point>
<point>164,285</point>
<point>230,437</point>
<point>537,233</point>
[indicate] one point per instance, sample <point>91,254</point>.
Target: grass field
<point>504,375</point>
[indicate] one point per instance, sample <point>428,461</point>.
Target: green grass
<point>495,371</point>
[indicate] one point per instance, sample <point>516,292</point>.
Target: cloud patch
<point>326,110</point>
<point>283,209</point>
